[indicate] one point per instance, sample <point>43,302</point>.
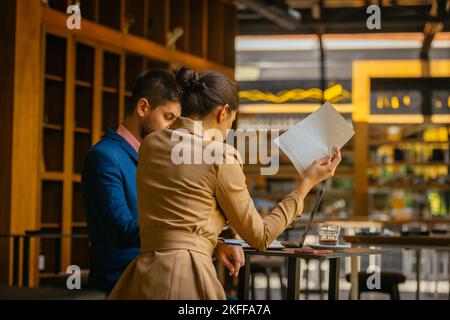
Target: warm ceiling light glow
<point>247,73</point>
<point>380,102</point>
<point>439,44</point>
<point>394,102</point>
<point>386,102</point>
<point>276,43</point>
<point>406,100</point>
<point>394,133</point>
<point>367,44</point>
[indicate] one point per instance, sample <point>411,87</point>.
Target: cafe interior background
<point>62,88</point>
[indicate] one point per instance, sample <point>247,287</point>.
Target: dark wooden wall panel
<point>7,25</point>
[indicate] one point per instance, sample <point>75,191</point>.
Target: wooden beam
<point>205,29</point>
<point>186,27</point>
<point>216,31</point>
<point>432,28</point>
<point>69,121</point>
<point>130,43</point>
<point>26,122</point>
<point>7,25</point>
<point>121,91</point>
<point>361,152</point>
<point>98,96</point>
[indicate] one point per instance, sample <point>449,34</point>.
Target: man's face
<point>160,117</point>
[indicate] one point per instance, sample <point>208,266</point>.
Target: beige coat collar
<point>192,126</point>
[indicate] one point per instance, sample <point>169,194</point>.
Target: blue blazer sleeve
<point>105,189</point>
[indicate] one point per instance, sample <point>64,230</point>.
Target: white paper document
<point>315,136</point>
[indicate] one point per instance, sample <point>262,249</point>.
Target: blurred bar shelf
<point>418,141</point>
<point>411,186</point>
<point>422,164</point>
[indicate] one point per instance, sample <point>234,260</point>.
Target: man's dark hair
<point>157,86</point>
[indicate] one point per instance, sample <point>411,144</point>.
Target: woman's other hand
<point>231,256</point>
<point>318,171</point>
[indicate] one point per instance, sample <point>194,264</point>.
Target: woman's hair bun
<point>202,92</point>
<point>188,80</point>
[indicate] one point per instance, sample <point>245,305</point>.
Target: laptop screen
<point>311,217</point>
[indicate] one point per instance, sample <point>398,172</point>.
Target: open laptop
<point>291,244</point>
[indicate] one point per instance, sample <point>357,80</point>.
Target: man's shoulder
<point>106,148</point>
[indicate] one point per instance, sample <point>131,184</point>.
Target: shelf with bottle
<point>406,164</point>
<point>412,177</point>
<point>49,253</point>
<point>417,187</point>
<point>288,171</point>
<point>330,194</point>
<point>407,204</point>
<point>411,164</point>
<point>269,122</point>
<point>414,154</point>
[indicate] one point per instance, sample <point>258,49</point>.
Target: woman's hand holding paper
<point>318,171</point>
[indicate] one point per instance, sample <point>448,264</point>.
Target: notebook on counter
<point>274,245</point>
<point>315,137</point>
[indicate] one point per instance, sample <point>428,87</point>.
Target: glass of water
<point>329,234</point>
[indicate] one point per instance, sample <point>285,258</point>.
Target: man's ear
<point>142,106</point>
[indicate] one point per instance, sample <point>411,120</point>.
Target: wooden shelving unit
<point>408,150</point>
<point>142,27</point>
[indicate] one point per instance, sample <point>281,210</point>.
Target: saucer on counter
<point>329,247</point>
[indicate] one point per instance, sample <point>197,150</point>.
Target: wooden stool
<point>389,283</point>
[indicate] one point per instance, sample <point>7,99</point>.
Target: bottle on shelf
<point>41,262</point>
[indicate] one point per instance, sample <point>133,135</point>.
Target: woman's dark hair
<point>158,86</point>
<point>204,91</point>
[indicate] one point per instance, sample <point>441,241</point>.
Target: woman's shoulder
<point>223,153</point>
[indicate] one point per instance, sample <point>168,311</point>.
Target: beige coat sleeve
<point>236,203</point>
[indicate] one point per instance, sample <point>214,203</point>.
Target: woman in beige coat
<point>184,202</point>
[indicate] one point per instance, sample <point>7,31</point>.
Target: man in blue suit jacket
<point>109,178</point>
<point>109,182</point>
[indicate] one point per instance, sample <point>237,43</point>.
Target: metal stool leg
<point>268,295</point>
